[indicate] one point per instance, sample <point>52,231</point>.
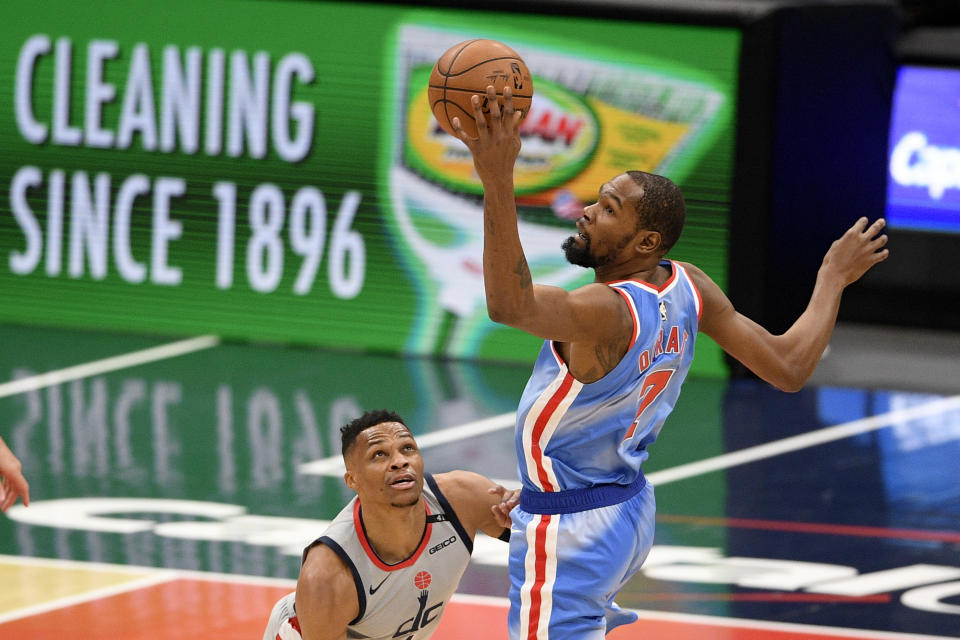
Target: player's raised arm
<point>787,361</point>
<point>326,596</point>
<point>590,314</point>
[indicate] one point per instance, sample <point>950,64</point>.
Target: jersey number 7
<point>650,389</point>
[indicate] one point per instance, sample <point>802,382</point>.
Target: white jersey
<point>402,600</point>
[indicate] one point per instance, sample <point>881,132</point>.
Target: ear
<point>648,242</point>
<point>350,480</point>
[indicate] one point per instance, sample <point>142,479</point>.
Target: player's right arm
<point>593,314</point>
<point>787,361</point>
<point>326,596</point>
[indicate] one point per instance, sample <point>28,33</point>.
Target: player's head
<point>383,462</point>
<point>639,210</point>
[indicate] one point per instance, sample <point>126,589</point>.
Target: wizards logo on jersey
<point>425,615</point>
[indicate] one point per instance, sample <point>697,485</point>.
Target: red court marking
<point>470,621</point>
<point>647,629</point>
<point>814,527</point>
<point>765,597</point>
<point>182,609</point>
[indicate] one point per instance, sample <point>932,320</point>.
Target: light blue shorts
<point>565,569</point>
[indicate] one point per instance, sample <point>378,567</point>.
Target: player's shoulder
<point>691,269</point>
<point>469,496</point>
<point>322,565</point>
<point>697,275</point>
<point>594,291</point>
<point>326,591</point>
<point>459,484</point>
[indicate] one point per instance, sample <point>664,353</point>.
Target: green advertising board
<point>271,170</point>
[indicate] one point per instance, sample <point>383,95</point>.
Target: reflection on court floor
<point>174,490</point>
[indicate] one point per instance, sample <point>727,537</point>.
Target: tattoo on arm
<point>609,354</point>
<point>522,270</point>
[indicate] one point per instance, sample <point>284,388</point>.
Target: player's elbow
<point>789,379</point>
<point>788,386</point>
<point>499,315</point>
<point>503,313</point>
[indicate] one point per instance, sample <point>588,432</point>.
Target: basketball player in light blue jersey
<point>616,352</point>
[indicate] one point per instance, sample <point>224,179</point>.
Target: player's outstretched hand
<point>497,145</point>
<point>853,253</point>
<point>509,498</point>
<point>12,482</point>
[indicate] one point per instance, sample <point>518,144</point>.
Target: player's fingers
<point>875,228</point>
<point>459,132</point>
<point>477,103</point>
<point>23,488</point>
<point>508,112</point>
<point>493,103</point>
<point>859,225</point>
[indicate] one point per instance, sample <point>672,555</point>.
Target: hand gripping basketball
<point>497,145</point>
<point>467,69</point>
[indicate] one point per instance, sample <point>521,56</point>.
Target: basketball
<point>465,70</point>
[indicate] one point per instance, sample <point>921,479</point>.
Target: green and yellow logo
<point>560,134</point>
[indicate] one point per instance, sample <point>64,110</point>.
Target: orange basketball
<point>465,70</point>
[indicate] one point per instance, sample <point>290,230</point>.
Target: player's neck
<point>647,269</point>
<point>394,532</point>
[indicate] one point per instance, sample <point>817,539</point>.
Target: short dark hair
<point>661,208</point>
<point>350,431</point>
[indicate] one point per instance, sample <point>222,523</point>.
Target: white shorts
<point>283,624</point>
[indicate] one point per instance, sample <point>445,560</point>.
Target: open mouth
<point>403,482</point>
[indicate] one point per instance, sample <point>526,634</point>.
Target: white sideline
<point>333,466</point>
<point>113,363</point>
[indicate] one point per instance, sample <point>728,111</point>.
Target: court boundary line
<point>106,365</point>
<point>803,441</point>
<point>150,577</point>
<point>333,465</point>
<point>154,577</point>
<point>61,563</point>
<point>818,528</point>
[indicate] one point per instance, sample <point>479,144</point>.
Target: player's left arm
<point>480,503</point>
<point>787,361</point>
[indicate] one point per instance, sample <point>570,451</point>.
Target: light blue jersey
<point>585,521</point>
<point>571,435</point>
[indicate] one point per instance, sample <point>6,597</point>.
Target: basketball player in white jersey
<point>616,352</point>
<point>389,562</point>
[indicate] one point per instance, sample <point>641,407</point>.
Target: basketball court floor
<point>174,483</point>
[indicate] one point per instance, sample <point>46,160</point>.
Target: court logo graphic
<point>425,615</point>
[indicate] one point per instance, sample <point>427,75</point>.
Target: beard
<point>579,256</point>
